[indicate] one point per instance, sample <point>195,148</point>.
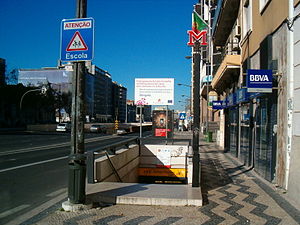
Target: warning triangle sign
<point>77,43</point>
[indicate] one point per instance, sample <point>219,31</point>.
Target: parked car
<point>121,132</point>
<point>95,128</point>
<point>63,127</point>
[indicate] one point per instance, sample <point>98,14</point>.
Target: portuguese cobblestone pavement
<point>232,194</point>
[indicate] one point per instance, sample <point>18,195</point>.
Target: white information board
<point>154,91</point>
<point>163,157</point>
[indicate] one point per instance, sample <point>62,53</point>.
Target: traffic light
<point>116,124</point>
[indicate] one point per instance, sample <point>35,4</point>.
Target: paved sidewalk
<point>232,195</point>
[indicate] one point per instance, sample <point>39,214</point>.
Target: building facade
<point>101,100</point>
<point>133,112</point>
<point>260,129</point>
<point>119,94</point>
<point>103,104</point>
<point>294,176</point>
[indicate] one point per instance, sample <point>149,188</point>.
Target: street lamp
<point>189,99</point>
<point>186,85</point>
<point>42,90</point>
<point>189,86</point>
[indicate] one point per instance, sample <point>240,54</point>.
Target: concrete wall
<point>279,53</point>
<point>42,127</point>
<point>126,162</point>
<point>294,174</point>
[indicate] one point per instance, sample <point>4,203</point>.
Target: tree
<point>12,77</point>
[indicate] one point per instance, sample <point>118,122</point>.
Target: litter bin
<point>76,192</point>
<point>209,135</point>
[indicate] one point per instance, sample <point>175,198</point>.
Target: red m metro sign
<point>193,36</point>
<point>198,32</point>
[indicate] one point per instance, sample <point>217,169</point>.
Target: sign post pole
<point>77,164</point>
<point>167,124</point>
<point>141,123</point>
<point>196,110</point>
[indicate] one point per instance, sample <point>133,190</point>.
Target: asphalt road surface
<point>34,170</point>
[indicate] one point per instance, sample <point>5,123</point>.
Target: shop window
<point>266,53</point>
<point>247,17</point>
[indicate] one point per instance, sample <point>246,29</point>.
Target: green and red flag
<point>198,23</point>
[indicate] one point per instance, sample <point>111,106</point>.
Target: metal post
<point>141,125</point>
<point>166,124</point>
<point>211,51</point>
<point>196,112</point>
<point>77,165</point>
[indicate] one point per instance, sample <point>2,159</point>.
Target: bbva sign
<point>193,36</point>
<point>259,81</point>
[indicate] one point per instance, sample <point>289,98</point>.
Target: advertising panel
<point>154,91</point>
<point>159,123</point>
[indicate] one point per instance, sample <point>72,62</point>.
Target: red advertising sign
<point>159,124</point>
<point>161,132</point>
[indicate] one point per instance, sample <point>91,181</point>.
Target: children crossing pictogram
<point>77,43</point>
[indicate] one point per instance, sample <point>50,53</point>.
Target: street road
<point>34,169</point>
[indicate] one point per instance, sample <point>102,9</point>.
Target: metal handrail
<point>111,149</point>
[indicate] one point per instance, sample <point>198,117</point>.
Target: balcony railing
<point>231,48</point>
<point>225,16</point>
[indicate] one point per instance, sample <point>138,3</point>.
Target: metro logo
<point>256,77</point>
<point>196,37</point>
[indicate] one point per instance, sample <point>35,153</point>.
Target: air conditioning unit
<point>237,31</point>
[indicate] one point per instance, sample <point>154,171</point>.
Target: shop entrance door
<point>265,144</point>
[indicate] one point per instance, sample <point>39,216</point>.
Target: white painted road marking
<point>58,192</point>
<point>33,164</point>
<point>12,211</point>
<point>47,147</point>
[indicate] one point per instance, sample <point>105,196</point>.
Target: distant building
<point>2,71</point>
<point>147,113</point>
<point>133,112</point>
<point>103,98</point>
<point>103,109</point>
<point>119,95</point>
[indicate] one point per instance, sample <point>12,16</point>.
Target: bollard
<point>77,175</point>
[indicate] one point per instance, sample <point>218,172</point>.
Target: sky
<point>133,38</point>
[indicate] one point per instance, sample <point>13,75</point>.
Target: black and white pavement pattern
<point>231,193</point>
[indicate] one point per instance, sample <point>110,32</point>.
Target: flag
<point>198,23</point>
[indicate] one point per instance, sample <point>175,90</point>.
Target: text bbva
<point>258,77</point>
